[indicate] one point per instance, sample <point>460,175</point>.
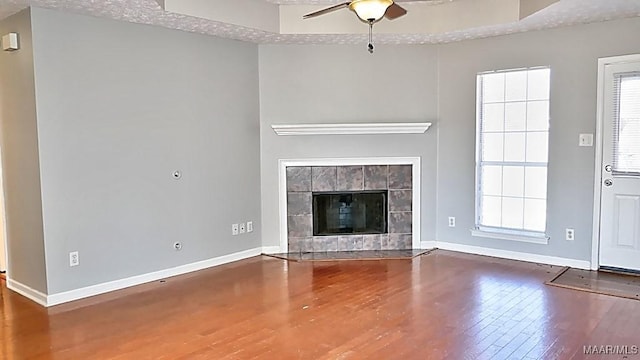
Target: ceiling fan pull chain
<point>370,46</point>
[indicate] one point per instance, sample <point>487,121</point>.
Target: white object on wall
<point>10,42</point>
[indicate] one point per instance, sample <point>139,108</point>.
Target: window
<point>626,151</point>
<point>512,152</point>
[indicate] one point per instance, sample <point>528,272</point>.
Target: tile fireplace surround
<point>301,181</point>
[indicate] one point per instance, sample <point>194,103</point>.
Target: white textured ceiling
<point>563,13</point>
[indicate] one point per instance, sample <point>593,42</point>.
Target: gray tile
<point>375,177</point>
<point>400,177</point>
<point>299,178</point>
<point>369,242</point>
<point>343,243</point>
<point>319,244</point>
<point>295,245</point>
<point>299,203</point>
<point>349,178</point>
<point>307,244</point>
<point>400,200</point>
<point>299,226</point>
<point>332,243</point>
<point>385,242</point>
<point>323,178</point>
<point>400,222</point>
<point>400,241</point>
<point>356,242</point>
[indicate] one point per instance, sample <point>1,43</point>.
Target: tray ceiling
<point>426,23</point>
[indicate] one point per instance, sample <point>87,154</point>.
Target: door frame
<point>597,183</point>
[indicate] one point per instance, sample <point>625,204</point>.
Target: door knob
<point>608,182</point>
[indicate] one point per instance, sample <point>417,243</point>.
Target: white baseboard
<point>428,245</point>
<point>27,292</point>
<point>514,255</point>
<point>63,297</point>
<point>271,250</point>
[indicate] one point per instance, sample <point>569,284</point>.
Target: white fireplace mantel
<point>351,129</point>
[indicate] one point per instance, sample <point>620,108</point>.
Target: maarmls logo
<point>610,350</point>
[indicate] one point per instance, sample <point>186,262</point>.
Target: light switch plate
<point>586,140</point>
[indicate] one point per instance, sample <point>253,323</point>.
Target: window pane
<point>491,180</point>
<point>492,88</point>
<point>516,86</point>
<point>627,147</point>
<point>491,211</point>
<point>538,86</point>
<point>513,181</point>
<point>514,147</point>
<point>493,117</point>
<point>537,146</point>
<point>512,213</point>
<point>535,184</point>
<point>515,116</point>
<point>492,147</point>
<point>535,214</point>
<point>538,115</point>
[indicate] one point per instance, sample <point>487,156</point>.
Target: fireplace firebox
<point>346,213</point>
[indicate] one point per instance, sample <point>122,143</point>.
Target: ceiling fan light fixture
<point>370,11</point>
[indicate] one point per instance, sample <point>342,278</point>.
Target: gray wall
<point>120,107</point>
<point>346,84</point>
<point>300,84</point>
<point>572,53</point>
<point>21,174</point>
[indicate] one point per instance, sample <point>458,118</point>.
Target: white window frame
<point>500,232</point>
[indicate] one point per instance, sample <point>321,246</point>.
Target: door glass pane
<point>627,122</point>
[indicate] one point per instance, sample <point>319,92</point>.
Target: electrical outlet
<point>249,226</point>
<point>452,221</point>
<point>243,229</point>
<point>235,230</point>
<point>570,234</point>
<point>74,258</point>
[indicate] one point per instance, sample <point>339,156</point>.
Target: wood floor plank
<point>443,305</point>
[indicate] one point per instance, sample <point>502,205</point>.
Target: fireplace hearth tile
<point>300,226</point>
<point>343,243</point>
<point>295,245</point>
<point>349,178</point>
<point>400,222</point>
<point>400,200</point>
<point>400,241</point>
<point>299,178</point>
<point>400,177</point>
<point>319,244</point>
<point>331,243</point>
<point>370,242</point>
<point>375,177</point>
<point>299,203</point>
<point>353,255</point>
<point>323,178</point>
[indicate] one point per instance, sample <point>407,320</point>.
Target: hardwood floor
<point>437,306</point>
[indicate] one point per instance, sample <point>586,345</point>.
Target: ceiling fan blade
<point>395,11</point>
<point>327,10</point>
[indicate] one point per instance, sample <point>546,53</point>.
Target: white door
<point>620,201</point>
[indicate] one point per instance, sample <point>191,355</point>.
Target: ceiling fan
<point>368,11</point>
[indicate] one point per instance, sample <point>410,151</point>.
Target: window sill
<point>535,239</point>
